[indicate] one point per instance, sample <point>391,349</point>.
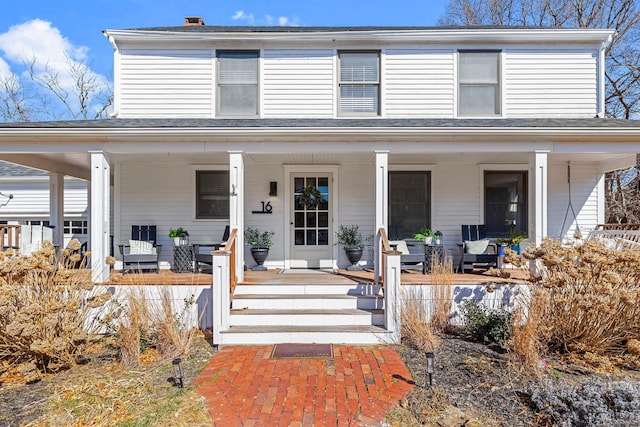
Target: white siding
<point>584,198</point>
<point>166,83</point>
<point>298,83</point>
<point>419,83</point>
<point>31,198</point>
<point>357,205</point>
<point>162,194</point>
<point>541,83</point>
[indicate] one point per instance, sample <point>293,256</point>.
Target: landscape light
<point>430,365</point>
<point>177,370</point>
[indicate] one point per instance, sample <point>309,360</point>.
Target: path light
<point>177,370</point>
<point>429,355</point>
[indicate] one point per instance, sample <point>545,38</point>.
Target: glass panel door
<point>311,220</point>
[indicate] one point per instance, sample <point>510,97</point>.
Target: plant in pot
<point>512,241</point>
<point>350,238</point>
<point>425,234</point>
<point>179,235</point>
<point>260,242</point>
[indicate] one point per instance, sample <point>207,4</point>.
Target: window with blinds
<point>359,83</point>
<point>212,194</point>
<point>237,83</point>
<point>479,84</point>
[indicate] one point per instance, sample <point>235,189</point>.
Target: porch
<point>365,276</point>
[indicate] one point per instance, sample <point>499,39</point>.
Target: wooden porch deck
<point>167,277</point>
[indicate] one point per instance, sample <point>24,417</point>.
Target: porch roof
<point>301,123</point>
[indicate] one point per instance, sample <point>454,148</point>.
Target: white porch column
<point>392,282</point>
<point>220,292</point>
<point>236,205</point>
<point>99,214</point>
<point>382,205</point>
<point>539,191</point>
<point>56,207</point>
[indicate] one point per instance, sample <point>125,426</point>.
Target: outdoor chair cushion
<point>476,246</point>
<point>400,246</point>
<point>141,247</point>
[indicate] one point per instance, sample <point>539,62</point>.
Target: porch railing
<point>10,236</point>
<point>389,275</point>
<point>225,279</point>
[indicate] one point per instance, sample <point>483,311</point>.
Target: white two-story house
<point>398,128</point>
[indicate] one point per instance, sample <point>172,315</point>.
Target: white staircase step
<point>306,302</point>
<point>306,335</point>
<point>307,289</point>
<point>322,317</point>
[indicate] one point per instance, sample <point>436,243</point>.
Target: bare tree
<point>622,69</point>
<point>43,92</point>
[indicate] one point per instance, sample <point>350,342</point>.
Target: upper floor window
<point>505,202</point>
<point>479,84</point>
<point>237,83</point>
<point>212,194</point>
<point>359,83</point>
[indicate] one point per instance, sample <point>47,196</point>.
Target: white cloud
<point>5,69</point>
<point>241,16</point>
<point>39,41</point>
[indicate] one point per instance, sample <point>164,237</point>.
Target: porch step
<point>318,288</point>
<point>306,301</point>
<point>306,335</point>
<point>321,317</point>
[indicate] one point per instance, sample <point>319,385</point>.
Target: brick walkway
<point>357,387</point>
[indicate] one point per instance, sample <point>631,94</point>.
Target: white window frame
<point>377,83</point>
<point>218,85</point>
<point>499,85</point>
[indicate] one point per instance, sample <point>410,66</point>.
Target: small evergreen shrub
<point>593,403</point>
<point>491,326</point>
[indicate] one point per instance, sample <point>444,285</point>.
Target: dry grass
<point>583,304</point>
<point>415,327</point>
<point>442,293</point>
<point>49,308</point>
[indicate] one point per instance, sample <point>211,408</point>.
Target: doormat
<point>302,351</point>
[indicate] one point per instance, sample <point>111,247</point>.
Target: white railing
<point>223,285</point>
<point>390,280</point>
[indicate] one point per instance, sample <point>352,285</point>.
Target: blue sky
<point>52,29</point>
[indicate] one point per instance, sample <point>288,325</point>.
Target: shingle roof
<point>328,123</point>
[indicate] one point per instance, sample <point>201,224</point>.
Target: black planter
<point>259,255</point>
<point>353,255</point>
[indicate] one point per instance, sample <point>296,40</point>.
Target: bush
<point>592,403</point>
<point>49,312</point>
<point>491,326</point>
<point>585,300</point>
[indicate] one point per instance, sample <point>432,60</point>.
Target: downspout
<point>600,108</point>
<point>116,75</point>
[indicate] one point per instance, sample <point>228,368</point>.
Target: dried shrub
<point>592,403</point>
<point>155,324</point>
<point>525,342</point>
<point>49,308</point>
<point>585,299</point>
<point>442,293</point>
<point>415,329</point>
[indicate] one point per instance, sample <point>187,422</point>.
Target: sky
<point>55,30</point>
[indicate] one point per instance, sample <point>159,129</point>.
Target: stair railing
<point>388,274</point>
<point>224,281</point>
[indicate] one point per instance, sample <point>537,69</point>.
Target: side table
<point>431,253</point>
<point>183,259</point>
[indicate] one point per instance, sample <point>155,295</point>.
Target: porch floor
<point>168,277</point>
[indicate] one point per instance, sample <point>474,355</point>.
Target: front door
<point>311,240</point>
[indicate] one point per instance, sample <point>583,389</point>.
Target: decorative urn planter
<point>259,256</point>
<point>353,255</point>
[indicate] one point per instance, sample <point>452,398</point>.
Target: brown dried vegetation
<point>49,309</point>
<point>582,304</point>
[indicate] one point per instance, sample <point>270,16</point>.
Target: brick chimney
<point>193,20</point>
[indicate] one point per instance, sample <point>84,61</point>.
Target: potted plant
<point>260,242</point>
<point>425,234</point>
<point>350,238</point>
<point>512,241</point>
<point>179,236</point>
